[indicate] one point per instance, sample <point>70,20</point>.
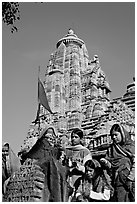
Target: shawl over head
<point>127,143</point>
<point>25,152</point>
<point>126,137</point>
<point>125,150</point>
<point>46,129</point>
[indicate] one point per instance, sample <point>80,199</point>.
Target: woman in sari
<point>45,174</point>
<point>122,158</point>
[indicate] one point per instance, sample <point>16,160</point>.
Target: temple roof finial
<point>70,37</point>
<point>70,32</point>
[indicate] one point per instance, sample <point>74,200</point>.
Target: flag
<point>42,96</point>
<point>37,117</point>
<point>42,100</point>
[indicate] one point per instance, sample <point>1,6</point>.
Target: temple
<point>129,97</point>
<point>78,93</point>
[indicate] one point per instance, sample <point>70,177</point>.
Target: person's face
<point>50,136</point>
<point>5,151</point>
<point>75,139</point>
<point>90,172</point>
<point>116,137</point>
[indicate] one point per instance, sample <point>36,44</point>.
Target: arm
<point>78,190</point>
<point>105,192</point>
<point>131,175</point>
<point>80,158</point>
<point>131,149</point>
<point>100,196</point>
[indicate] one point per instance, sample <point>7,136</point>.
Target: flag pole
<point>38,102</point>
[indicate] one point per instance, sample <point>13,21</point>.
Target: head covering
<point>78,132</point>
<point>46,129</point>
<point>123,151</point>
<point>126,137</point>
<point>51,137</point>
<point>36,139</point>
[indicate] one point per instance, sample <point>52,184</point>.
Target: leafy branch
<point>10,14</point>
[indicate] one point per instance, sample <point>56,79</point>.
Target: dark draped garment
<point>122,157</point>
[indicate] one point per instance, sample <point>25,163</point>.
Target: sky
<point>108,30</point>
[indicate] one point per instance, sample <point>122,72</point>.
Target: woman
<point>94,185</point>
<point>47,169</point>
<point>50,134</point>
<point>76,155</point>
<point>122,158</point>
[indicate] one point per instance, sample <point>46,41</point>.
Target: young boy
<point>77,155</point>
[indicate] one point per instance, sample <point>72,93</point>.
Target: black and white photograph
<point>68,101</point>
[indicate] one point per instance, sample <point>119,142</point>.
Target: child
<point>77,155</point>
<point>94,185</point>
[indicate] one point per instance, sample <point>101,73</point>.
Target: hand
<point>86,193</point>
<point>74,164</point>
<point>80,198</point>
<point>81,168</point>
<point>129,184</point>
<point>105,163</point>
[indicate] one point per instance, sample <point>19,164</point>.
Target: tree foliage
<point>10,14</point>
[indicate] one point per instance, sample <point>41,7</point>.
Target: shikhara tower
<point>78,93</point>
<point>74,84</point>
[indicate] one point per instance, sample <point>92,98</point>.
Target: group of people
<point>111,178</point>
<point>107,179</point>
